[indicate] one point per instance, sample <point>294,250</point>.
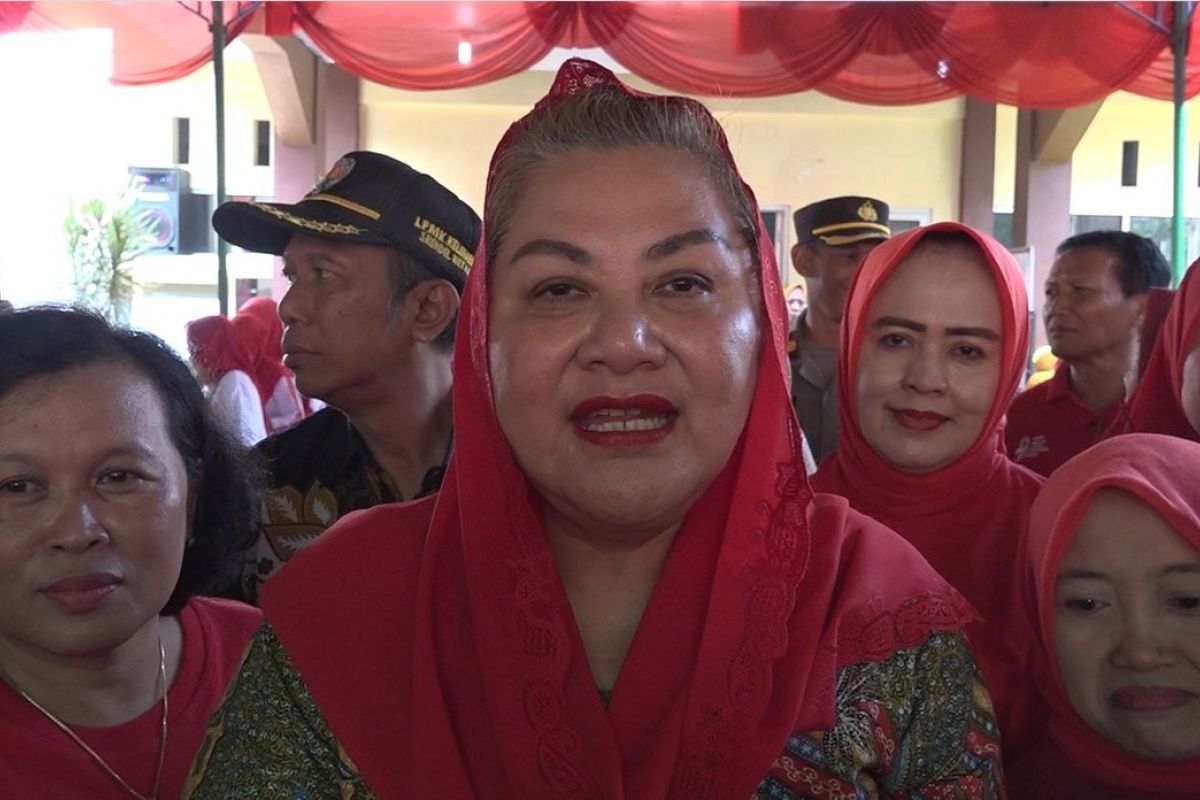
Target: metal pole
<point>1179,49</point>
<point>218,35</point>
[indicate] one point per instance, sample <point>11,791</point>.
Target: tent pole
<point>218,35</point>
<point>1179,49</point>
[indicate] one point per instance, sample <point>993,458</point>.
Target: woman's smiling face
<point>624,335</point>
<point>929,364</point>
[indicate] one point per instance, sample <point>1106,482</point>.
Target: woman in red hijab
<point>223,365</point>
<point>626,588</point>
<point>1167,398</point>
<point>1115,555</point>
<point>934,344</point>
<point>261,330</point>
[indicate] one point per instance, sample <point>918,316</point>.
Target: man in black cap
<point>832,238</point>
<point>376,255</point>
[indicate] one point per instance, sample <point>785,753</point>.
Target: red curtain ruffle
<point>152,42</point>
<point>1030,54</point>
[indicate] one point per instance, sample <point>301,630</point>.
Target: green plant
<point>103,237</point>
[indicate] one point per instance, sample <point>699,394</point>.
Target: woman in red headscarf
<point>261,330</point>
<point>1115,555</point>
<point>934,344</point>
<point>1167,398</point>
<point>626,588</point>
<point>223,365</point>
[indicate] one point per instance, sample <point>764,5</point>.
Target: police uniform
<point>837,222</point>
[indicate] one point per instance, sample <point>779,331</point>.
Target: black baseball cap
<point>367,198</point>
<point>842,220</point>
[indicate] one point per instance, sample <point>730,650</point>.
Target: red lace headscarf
<point>1155,406</point>
<point>968,517</point>
<point>767,590</point>
<point>1161,471</point>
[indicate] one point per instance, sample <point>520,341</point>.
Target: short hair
<point>1140,264</point>
<point>608,117</point>
<point>46,340</point>
<point>406,272</point>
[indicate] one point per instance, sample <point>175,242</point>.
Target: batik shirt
<point>916,726</point>
<point>317,472</point>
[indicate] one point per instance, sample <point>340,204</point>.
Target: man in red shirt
<point>1095,301</point>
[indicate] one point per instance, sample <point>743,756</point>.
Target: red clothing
<point>1048,424</point>
<point>261,331</point>
<point>1155,406</point>
<point>1161,471</point>
<point>39,760</point>
<point>1045,773</point>
<point>457,607</point>
<point>969,517</point>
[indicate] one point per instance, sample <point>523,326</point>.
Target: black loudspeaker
<point>156,201</point>
<point>178,219</point>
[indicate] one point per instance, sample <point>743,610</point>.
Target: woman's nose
<point>926,371</point>
<point>622,337</point>
<point>74,527</point>
<point>1143,643</point>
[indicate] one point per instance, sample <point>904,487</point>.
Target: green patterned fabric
<point>916,726</point>
<point>268,741</point>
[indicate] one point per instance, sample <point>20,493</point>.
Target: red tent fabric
<point>152,42</point>
<point>1030,54</point>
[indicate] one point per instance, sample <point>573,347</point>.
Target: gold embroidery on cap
<point>841,226</point>
<point>436,239</point>
<point>310,224</point>
<point>344,203</point>
<point>867,211</point>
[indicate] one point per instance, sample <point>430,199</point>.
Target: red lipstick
<point>635,421</point>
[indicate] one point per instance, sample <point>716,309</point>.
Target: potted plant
<point>103,238</point>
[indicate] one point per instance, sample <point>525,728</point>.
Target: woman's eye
<point>117,477</point>
<point>555,290</point>
<point>968,352</point>
<point>1084,605</point>
<point>1186,602</point>
<point>16,486</point>
<point>892,340</point>
<point>687,284</point>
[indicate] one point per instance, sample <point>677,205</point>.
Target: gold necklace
<point>162,744</point>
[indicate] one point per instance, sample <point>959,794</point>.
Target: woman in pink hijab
<point>1114,546</point>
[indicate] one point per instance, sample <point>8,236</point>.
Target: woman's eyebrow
<point>1081,574</point>
<point>673,244</point>
<point>552,247</point>
<point>919,327</point>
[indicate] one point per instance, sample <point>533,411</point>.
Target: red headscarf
<point>1155,406</point>
<point>260,328</point>
<point>266,311</point>
<point>968,517</point>
<point>215,345</point>
<point>1162,471</point>
<point>766,591</point>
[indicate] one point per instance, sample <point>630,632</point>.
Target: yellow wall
<point>1096,165</point>
<point>791,150</point>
